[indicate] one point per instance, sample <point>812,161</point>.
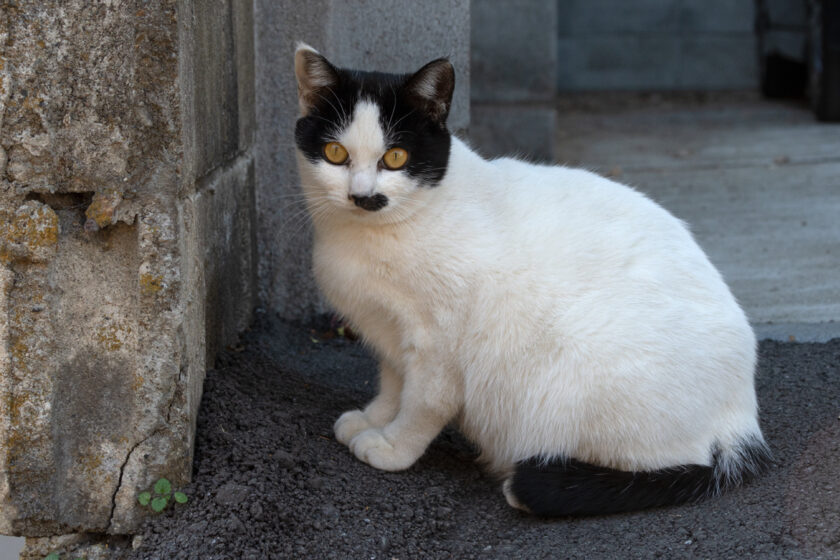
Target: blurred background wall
<point>525,52</point>
<point>655,45</point>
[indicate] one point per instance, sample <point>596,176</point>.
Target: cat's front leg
<point>381,410</point>
<point>431,397</point>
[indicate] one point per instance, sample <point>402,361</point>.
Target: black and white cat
<point>571,326</point>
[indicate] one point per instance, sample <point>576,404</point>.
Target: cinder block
<point>118,262</point>
<point>587,18</point>
<point>397,37</point>
<point>655,45</point>
<point>718,16</point>
<point>623,62</point>
<point>220,50</point>
<point>713,61</point>
<point>514,130</point>
<point>513,50</point>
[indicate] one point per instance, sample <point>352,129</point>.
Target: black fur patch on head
<point>410,121</point>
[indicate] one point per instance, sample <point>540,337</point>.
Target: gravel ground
<point>271,482</point>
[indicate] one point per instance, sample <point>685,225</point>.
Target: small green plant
<point>160,495</point>
<point>56,556</point>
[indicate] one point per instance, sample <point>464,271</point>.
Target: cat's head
<point>371,144</point>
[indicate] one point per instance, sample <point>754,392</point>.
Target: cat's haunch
<point>574,328</point>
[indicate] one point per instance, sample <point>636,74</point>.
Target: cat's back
<point>578,196</point>
<point>599,240</point>
<point>579,214</point>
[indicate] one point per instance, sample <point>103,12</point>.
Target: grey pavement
<point>758,183</point>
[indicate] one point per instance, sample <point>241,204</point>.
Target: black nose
<point>370,203</point>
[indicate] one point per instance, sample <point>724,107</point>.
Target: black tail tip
<point>568,487</point>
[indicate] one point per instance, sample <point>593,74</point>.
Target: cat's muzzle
<point>370,203</point>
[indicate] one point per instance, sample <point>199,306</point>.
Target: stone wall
<point>127,247</point>
<point>656,45</point>
<point>514,75</point>
<point>392,36</point>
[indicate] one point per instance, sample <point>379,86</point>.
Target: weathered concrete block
<point>514,77</point>
<point>364,34</point>
<point>126,247</point>
<point>514,53</point>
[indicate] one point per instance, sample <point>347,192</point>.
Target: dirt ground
<point>270,480</point>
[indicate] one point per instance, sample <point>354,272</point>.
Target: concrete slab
<point>758,182</point>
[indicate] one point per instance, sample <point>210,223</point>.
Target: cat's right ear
<point>314,75</point>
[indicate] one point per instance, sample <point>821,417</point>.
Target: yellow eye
<point>335,153</point>
<point>395,158</point>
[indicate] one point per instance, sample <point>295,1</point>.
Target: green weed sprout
<point>160,496</point>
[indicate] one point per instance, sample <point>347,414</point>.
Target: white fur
<point>549,310</point>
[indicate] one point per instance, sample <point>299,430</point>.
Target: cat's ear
<point>314,75</point>
<point>431,87</point>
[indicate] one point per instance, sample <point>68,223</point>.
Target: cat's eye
<point>395,158</point>
<point>335,153</point>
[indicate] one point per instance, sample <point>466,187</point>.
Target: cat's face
<point>371,144</point>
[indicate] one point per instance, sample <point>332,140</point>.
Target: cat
<point>571,326</point>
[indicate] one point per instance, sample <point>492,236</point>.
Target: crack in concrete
<point>134,447</point>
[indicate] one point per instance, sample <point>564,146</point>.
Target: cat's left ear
<point>431,87</point>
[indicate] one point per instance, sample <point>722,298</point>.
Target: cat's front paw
<point>372,447</point>
<point>349,425</point>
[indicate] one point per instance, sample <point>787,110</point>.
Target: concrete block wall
<point>392,36</point>
<point>514,75</point>
<point>655,45</point>
<point>127,246</point>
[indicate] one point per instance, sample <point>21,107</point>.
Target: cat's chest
<point>363,272</point>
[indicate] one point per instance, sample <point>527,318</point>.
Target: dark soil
<point>271,482</point>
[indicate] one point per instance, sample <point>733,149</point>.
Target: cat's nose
<point>370,203</point>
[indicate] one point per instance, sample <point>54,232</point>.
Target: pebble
<point>232,494</point>
<point>284,459</point>
<point>256,510</point>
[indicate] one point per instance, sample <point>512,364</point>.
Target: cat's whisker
<point>334,108</point>
<point>394,108</point>
<point>345,117</point>
<point>401,119</point>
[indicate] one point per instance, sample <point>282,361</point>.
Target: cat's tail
<point>560,487</point>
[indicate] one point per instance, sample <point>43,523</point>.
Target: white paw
<point>372,447</point>
<point>349,425</point>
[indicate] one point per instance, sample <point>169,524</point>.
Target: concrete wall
<point>393,36</point>
<point>126,246</point>
<point>514,75</point>
<point>655,45</point>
